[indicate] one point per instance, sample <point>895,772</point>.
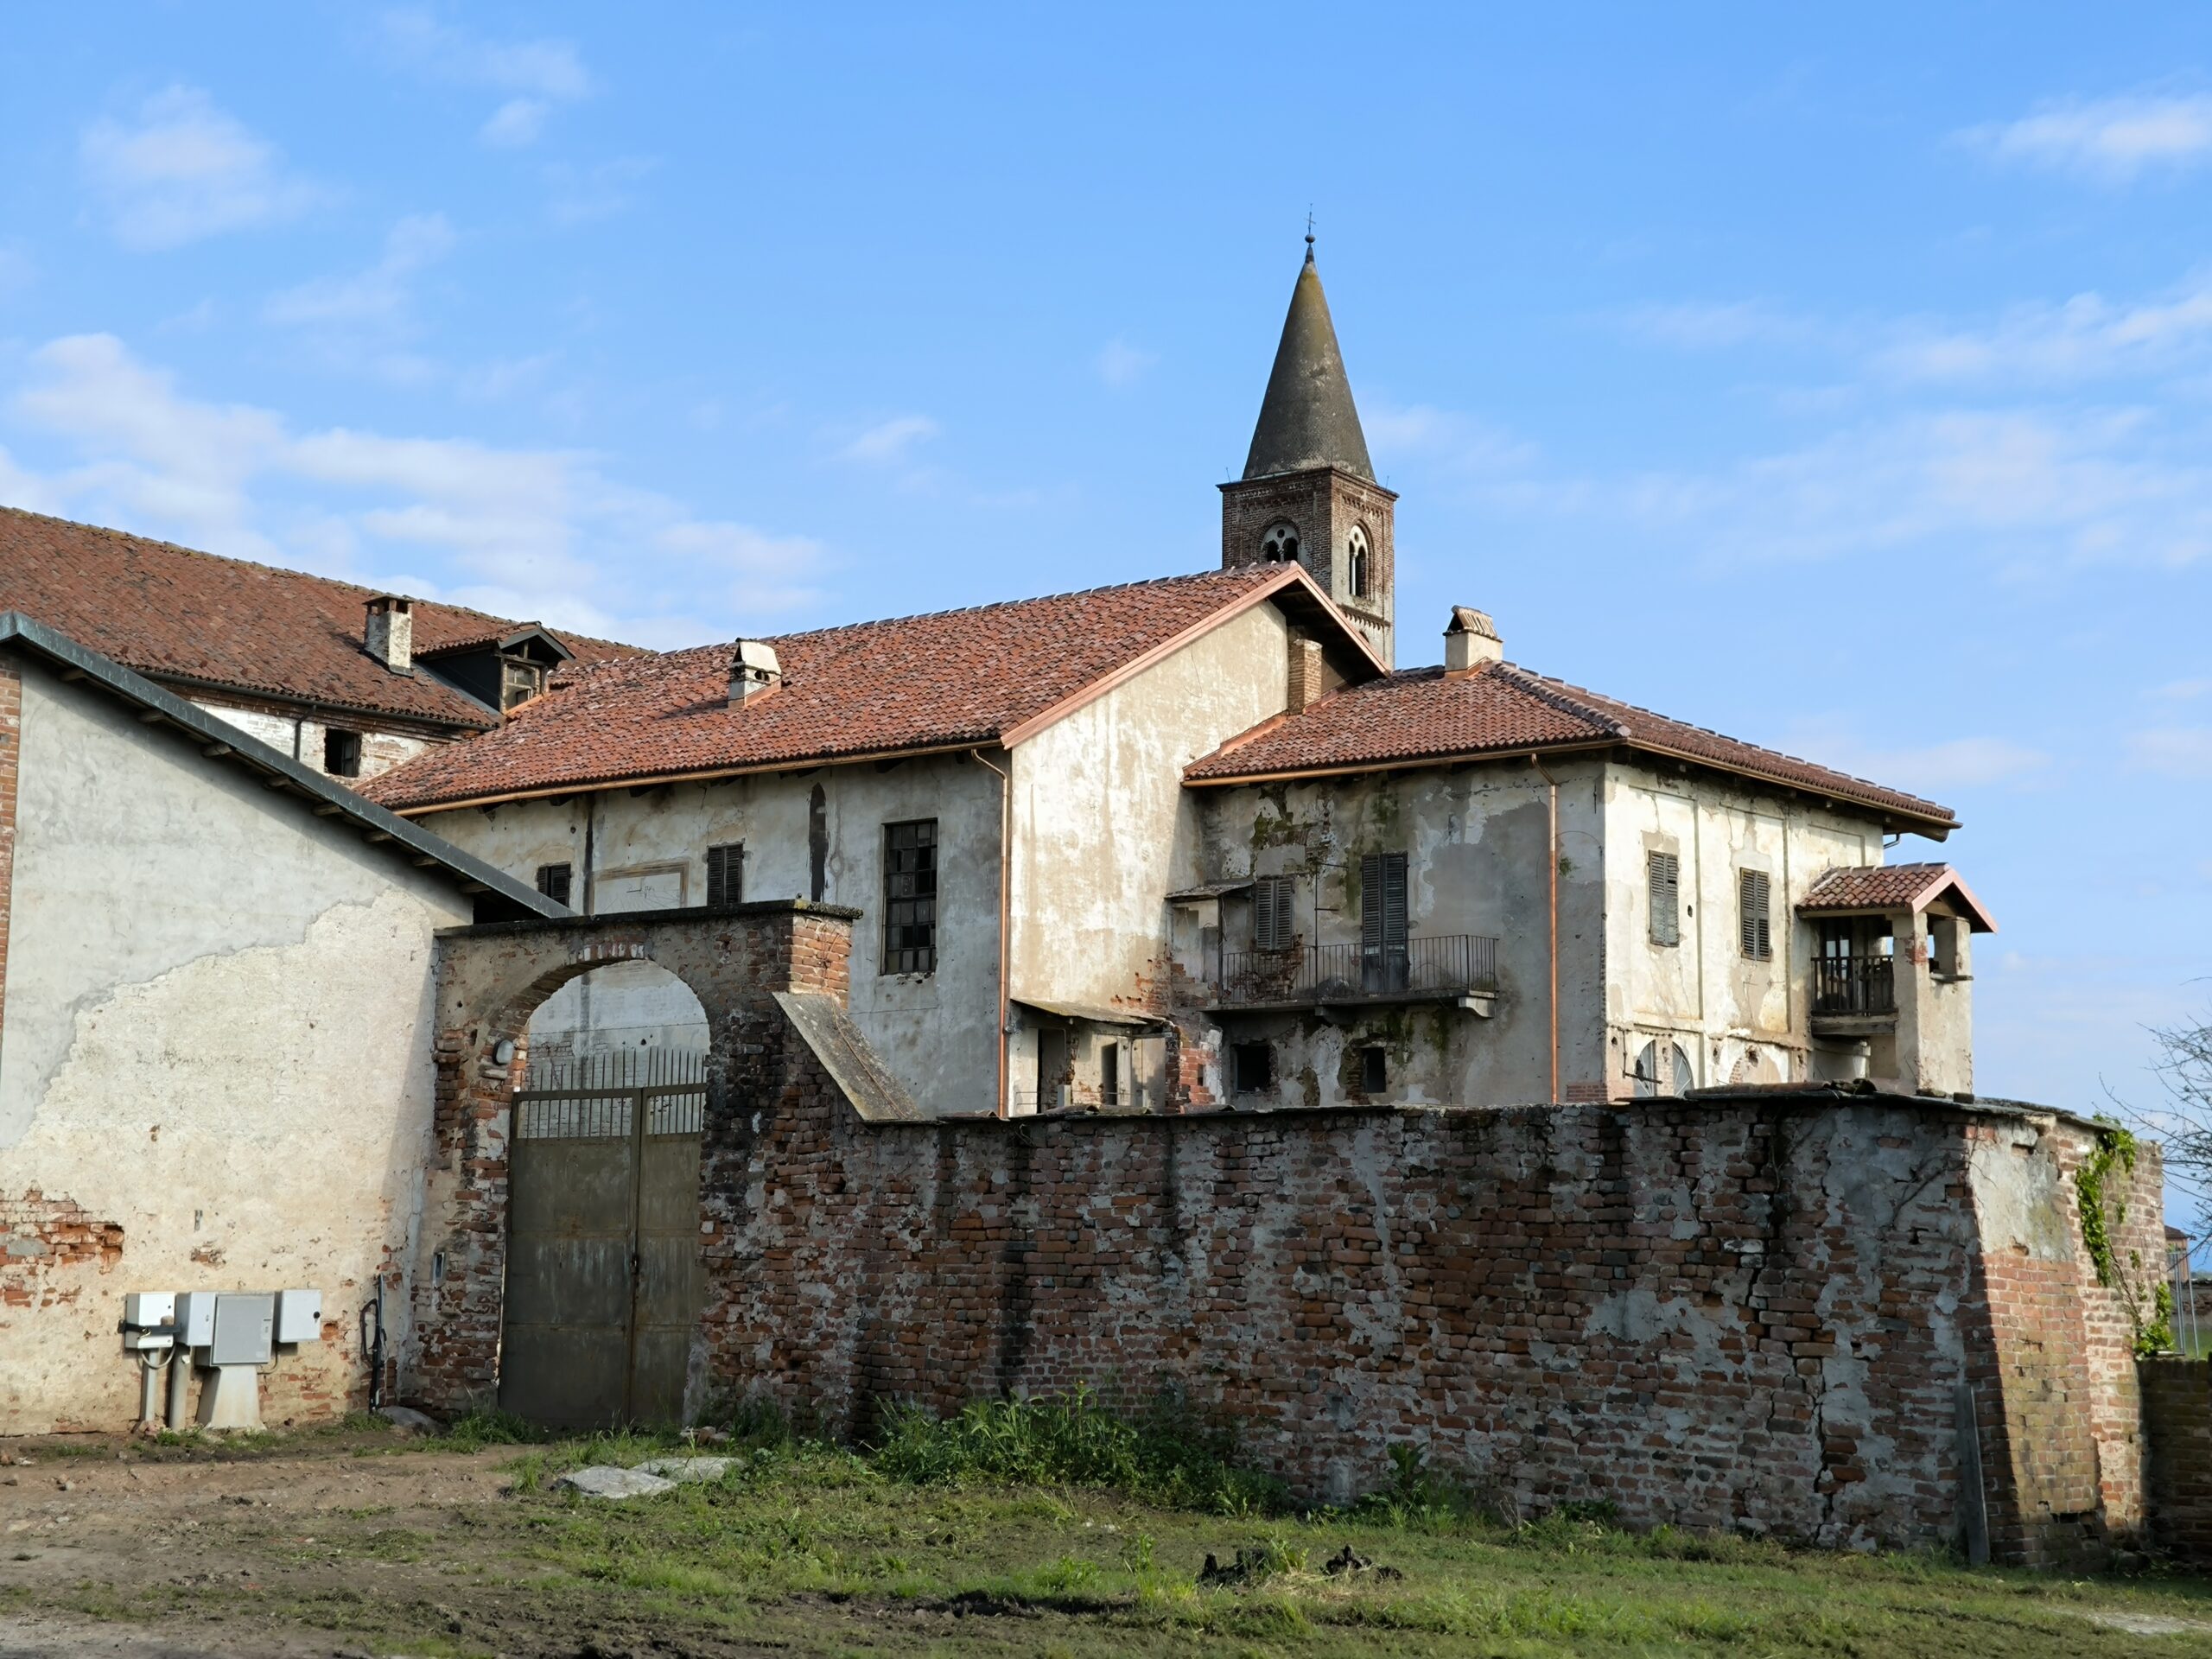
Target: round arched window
<point>1280,544</point>
<point>1355,562</point>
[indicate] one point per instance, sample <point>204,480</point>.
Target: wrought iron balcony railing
<point>1864,984</point>
<point>1462,963</point>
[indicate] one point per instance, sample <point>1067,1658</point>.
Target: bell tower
<point>1308,492</point>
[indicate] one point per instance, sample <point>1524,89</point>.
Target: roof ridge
<point>1725,737</point>
<point>1190,577</point>
<point>1555,692</point>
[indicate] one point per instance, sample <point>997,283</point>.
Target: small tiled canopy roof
<point>942,681</point>
<point>1894,886</point>
<point>1424,715</point>
<point>225,624</point>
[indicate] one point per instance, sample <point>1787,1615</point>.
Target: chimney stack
<point>390,634</point>
<point>753,671</point>
<point>1471,642</point>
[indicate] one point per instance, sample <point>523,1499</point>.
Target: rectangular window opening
<point>725,874</point>
<point>1109,1074</point>
<point>1664,875</point>
<point>1754,894</point>
<point>342,752</point>
<point>1374,1070</point>
<point>1252,1068</point>
<point>909,897</point>
<point>553,881</point>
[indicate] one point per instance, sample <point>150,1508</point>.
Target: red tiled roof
<point>178,614</point>
<point>920,681</point>
<point>1424,714</point>
<point>1893,886</point>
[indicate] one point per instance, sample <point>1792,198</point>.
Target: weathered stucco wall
<point>646,850</point>
<point>1737,1020</point>
<point>216,1066</point>
<point>1103,828</point>
<point>303,737</point>
<point>1477,841</point>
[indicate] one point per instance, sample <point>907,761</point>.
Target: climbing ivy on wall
<point>2104,1212</point>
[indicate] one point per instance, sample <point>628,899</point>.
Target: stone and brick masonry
<point>1760,1309</point>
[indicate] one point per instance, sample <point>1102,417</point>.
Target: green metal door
<point>604,1278</point>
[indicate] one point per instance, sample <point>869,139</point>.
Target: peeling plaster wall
<point>217,1056</point>
<point>1737,1020</point>
<point>301,737</point>
<point>1103,828</point>
<point>646,849</point>
<point>1477,841</point>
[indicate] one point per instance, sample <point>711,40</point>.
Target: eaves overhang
<point>492,888</point>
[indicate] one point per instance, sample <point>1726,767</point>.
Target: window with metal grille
<point>553,881</point>
<point>726,875</point>
<point>1374,1070</point>
<point>1664,875</point>
<point>909,897</point>
<point>1252,1068</point>
<point>342,752</point>
<point>1755,920</point>
<point>1274,912</point>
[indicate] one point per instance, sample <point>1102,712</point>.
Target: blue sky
<point>1849,391</point>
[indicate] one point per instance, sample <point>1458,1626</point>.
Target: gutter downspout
<point>1552,871</point>
<point>1006,857</point>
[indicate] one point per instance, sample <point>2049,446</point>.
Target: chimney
<point>390,634</point>
<point>753,671</point>
<point>1471,642</point>
<point>1306,668</point>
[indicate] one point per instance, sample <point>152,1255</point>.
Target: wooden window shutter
<point>1270,926</point>
<point>1755,926</point>
<point>1383,902</point>
<point>1665,878</point>
<point>726,875</point>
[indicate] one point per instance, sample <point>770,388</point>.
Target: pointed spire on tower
<point>1306,418</point>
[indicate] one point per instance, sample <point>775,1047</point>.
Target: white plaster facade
<point>216,1040</point>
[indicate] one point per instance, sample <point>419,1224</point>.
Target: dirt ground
<point>356,1541</point>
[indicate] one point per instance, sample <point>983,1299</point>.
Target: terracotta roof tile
<point>176,613</point>
<point>1423,714</point>
<point>1893,886</point>
<point>919,682</point>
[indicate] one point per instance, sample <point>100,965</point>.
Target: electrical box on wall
<point>244,1323</point>
<point>299,1315</point>
<point>145,1310</point>
<point>195,1318</point>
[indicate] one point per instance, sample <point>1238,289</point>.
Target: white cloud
<point>581,194</point>
<point>887,443</point>
<point>1120,364</point>
<point>2082,337</point>
<point>525,532</point>
<point>2183,752</point>
<point>182,170</point>
<point>379,295</point>
<point>1710,325</point>
<point>2112,139</point>
<point>1933,770</point>
<point>536,76</point>
<point>1461,443</point>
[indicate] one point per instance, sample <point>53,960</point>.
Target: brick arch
<point>490,979</point>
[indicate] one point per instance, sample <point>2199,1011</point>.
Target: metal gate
<point>604,1278</point>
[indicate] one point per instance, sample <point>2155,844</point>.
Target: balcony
<point>1461,967</point>
<point>1854,987</point>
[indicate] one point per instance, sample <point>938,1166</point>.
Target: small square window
<point>342,752</point>
<point>1252,1068</point>
<point>725,874</point>
<point>553,881</point>
<point>1374,1070</point>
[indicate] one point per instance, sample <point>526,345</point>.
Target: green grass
<point>1057,1527</point>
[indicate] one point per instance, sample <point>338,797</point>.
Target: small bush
<point>1162,1457</point>
<point>484,1427</point>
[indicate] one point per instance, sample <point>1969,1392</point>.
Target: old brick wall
<point>2177,1426</point>
<point>1739,1316</point>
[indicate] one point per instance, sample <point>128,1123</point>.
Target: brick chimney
<point>1471,641</point>
<point>390,634</point>
<point>1308,672</point>
<point>753,671</point>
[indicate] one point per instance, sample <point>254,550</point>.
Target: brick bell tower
<point>1308,492</point>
